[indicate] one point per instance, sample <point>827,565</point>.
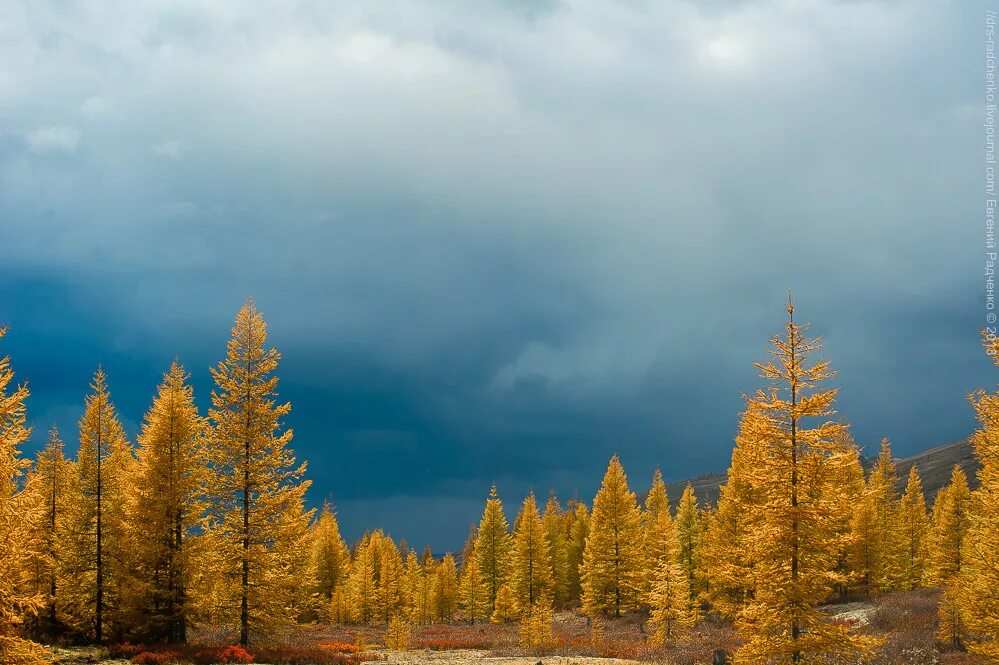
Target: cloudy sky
<point>496,241</point>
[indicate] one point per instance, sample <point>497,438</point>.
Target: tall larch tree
<point>979,578</point>
<point>472,595</point>
<point>688,535</point>
<point>578,529</point>
<point>723,559</point>
<point>51,478</point>
<point>556,533</point>
<point>257,486</point>
<point>796,487</point>
<point>670,600</point>
<point>170,506</point>
<point>948,529</point>
<point>492,548</point>
<point>99,554</point>
<point>913,525</point>
<point>888,562</point>
<point>329,559</point>
<point>363,579</point>
<point>653,535</point>
<point>18,601</point>
<point>612,561</point>
<point>446,589</point>
<point>391,579</point>
<point>531,568</point>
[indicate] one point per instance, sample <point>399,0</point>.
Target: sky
<point>496,241</point>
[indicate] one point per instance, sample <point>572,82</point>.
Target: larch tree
<point>653,534</point>
<point>612,561</point>
<point>531,569</point>
<point>979,578</point>
<point>18,601</point>
<point>169,506</point>
<point>556,533</point>
<point>492,548</point>
<point>390,580</point>
<point>446,589</point>
<point>578,529</point>
<point>888,564</point>
<point>723,559</point>
<point>670,600</point>
<point>796,484</point>
<point>948,530</point>
<point>363,579</point>
<point>257,486</point>
<point>473,599</point>
<point>329,559</point>
<point>99,553</point>
<point>51,478</point>
<point>913,526</point>
<point>688,535</point>
<point>947,544</point>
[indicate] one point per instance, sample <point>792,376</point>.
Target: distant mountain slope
<point>934,467</point>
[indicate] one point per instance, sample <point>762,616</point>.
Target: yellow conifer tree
<point>796,483</point>
<point>688,532</point>
<point>655,530</point>
<point>446,589</point>
<point>257,487</point>
<point>948,529</point>
<point>913,519</point>
<point>473,599</point>
<point>18,602</point>
<point>531,569</point>
<point>330,560</point>
<point>723,559</point>
<point>612,561</point>
<point>578,518</point>
<point>169,508</point>
<point>51,478</point>
<point>492,548</point>
<point>979,578</point>
<point>670,600</point>
<point>556,532</point>
<point>98,556</point>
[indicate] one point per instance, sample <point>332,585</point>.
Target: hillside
<point>934,467</point>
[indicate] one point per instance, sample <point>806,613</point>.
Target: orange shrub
<point>340,647</point>
<point>156,658</point>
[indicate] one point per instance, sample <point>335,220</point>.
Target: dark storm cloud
<point>496,241</point>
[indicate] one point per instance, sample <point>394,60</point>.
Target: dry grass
<point>905,621</point>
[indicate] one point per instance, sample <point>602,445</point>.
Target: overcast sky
<point>496,241</point>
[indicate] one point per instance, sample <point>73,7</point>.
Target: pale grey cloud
<point>62,138</point>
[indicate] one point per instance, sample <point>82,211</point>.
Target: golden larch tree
<point>492,548</point>
<point>913,525</point>
<point>51,479</point>
<point>688,535</point>
<point>18,600</point>
<point>796,483</point>
<point>446,589</point>
<point>329,559</point>
<point>257,487</point>
<point>613,559</point>
<point>656,504</point>
<point>670,601</point>
<point>530,568</point>
<point>473,598</point>
<point>99,553</point>
<point>169,507</point>
<point>556,532</point>
<point>979,579</point>
<point>577,530</point>
<point>948,529</point>
<point>723,559</point>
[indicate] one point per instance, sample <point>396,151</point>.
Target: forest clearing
<point>904,620</point>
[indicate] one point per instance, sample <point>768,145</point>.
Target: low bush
<point>156,658</point>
